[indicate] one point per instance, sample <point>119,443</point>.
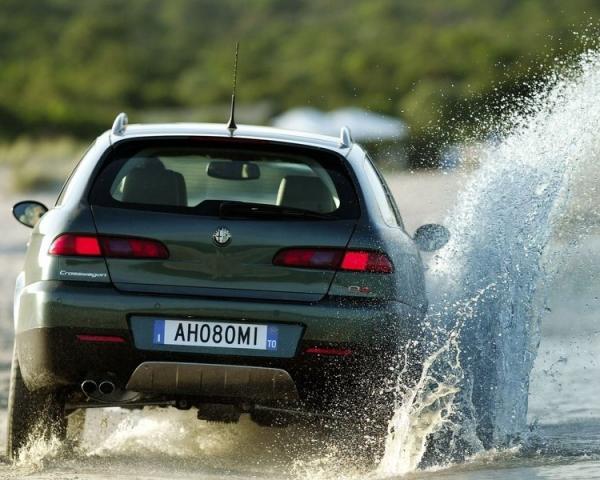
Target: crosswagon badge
<point>222,236</point>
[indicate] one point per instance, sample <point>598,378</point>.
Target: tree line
<point>68,67</point>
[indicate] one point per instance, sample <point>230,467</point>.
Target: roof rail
<point>120,124</point>
<point>345,138</point>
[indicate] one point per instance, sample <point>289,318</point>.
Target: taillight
<point>122,247</point>
<point>334,259</point>
<point>322,259</point>
<point>77,245</point>
<point>362,261</point>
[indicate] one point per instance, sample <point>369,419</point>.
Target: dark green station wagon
<point>246,270</point>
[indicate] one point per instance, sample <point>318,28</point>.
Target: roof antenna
<point>231,126</point>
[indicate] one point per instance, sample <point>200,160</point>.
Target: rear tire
<point>367,407</point>
<point>31,415</point>
<point>75,428</point>
<point>363,434</point>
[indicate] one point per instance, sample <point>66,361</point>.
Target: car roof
<point>220,130</point>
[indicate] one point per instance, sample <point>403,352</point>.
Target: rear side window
<point>199,176</point>
<point>65,187</point>
<point>382,195</point>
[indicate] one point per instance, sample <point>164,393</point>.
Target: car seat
<point>306,193</point>
<point>152,183</point>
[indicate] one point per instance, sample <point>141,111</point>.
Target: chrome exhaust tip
<point>89,387</point>
<point>106,387</point>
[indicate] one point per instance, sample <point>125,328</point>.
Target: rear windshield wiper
<point>243,209</point>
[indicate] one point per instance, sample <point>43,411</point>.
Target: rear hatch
<point>223,210</point>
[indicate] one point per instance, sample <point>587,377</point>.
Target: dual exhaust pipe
<point>90,387</point>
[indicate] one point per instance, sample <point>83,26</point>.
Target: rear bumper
<point>52,314</point>
<point>91,307</point>
<point>53,359</point>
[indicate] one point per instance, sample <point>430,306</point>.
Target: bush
<point>39,164</point>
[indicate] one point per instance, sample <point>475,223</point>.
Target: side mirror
<point>29,212</point>
<point>431,237</point>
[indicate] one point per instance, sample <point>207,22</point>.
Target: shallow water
<point>168,444</point>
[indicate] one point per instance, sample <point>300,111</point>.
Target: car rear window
<point>198,177</point>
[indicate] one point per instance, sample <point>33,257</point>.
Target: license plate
<point>215,334</point>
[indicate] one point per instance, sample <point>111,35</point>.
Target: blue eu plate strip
<point>272,337</point>
<point>159,332</point>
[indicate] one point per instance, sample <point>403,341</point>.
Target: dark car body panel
<point>243,265</point>
<point>59,311</point>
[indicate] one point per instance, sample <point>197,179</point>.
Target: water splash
<point>484,318</point>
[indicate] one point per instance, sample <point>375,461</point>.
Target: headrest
<point>307,193</point>
<point>152,183</point>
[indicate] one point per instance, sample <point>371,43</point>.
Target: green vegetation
<point>67,67</point>
<point>39,164</point>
